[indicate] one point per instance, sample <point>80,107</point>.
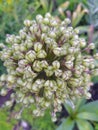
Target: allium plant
<point>47,64</point>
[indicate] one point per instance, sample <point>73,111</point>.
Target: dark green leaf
<point>80,102</point>
<point>88,116</point>
<point>68,108</point>
<point>67,124</point>
<point>84,125</point>
<point>90,107</point>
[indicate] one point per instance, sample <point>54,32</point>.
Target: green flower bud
<point>76,31</point>
<point>56,64</point>
<point>3,92</point>
<point>37,46</point>
<point>20,82</point>
<point>49,71</point>
<point>23,47</point>
<point>75,82</point>
<point>37,66</point>
<point>32,29</point>
<point>82,43</point>
<point>44,28</point>
<point>41,54</point>
<point>71,50</point>
<point>48,94</point>
<point>2,45</point>
<point>39,18</point>
<point>19,70</point>
<point>17,39</point>
<point>57,51</point>
<point>94,72</point>
<point>27,23</point>
<point>8,103</point>
<point>48,15</point>
<point>31,100</point>
<point>30,56</point>
<point>44,64</point>
<point>74,43</point>
<point>36,112</point>
<point>47,104</point>
<point>22,34</point>
<point>43,36</point>
<point>22,63</point>
<point>67,21</point>
<point>52,34</point>
<point>69,64</point>
<point>5,56</point>
<point>58,73</point>
<point>28,44</point>
<point>3,77</point>
<point>11,78</point>
<point>17,116</point>
<point>18,55</point>
<point>70,58</point>
<point>25,101</point>
<point>53,23</point>
<point>46,21</point>
<point>66,75</point>
<point>88,95</point>
<point>35,88</point>
<point>28,73</point>
<point>77,73</point>
<point>16,47</point>
<point>91,46</point>
<point>10,39</point>
<point>96,56</point>
<point>86,62</point>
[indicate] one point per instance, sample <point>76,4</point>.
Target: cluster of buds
<point>47,64</point>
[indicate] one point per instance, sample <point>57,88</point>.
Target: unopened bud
<point>30,56</point>
<point>41,54</point>
<point>37,46</point>
<point>27,23</point>
<point>56,64</point>
<point>91,46</point>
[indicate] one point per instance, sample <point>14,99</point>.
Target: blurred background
<point>84,16</point>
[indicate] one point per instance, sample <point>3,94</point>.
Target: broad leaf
<point>69,106</point>
<point>84,125</point>
<point>79,104</point>
<point>67,124</point>
<point>88,116</point>
<point>90,107</point>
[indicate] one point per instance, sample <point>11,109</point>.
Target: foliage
<point>12,13</point>
<point>41,123</point>
<point>76,15</point>
<point>93,12</point>
<point>5,123</point>
<point>83,115</point>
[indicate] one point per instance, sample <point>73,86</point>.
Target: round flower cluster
<point>47,63</point>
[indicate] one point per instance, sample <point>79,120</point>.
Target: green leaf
<point>90,107</point>
<point>68,108</point>
<point>67,124</point>
<point>79,104</point>
<point>5,126</point>
<point>83,29</point>
<point>45,5</point>
<point>84,125</point>
<point>88,116</point>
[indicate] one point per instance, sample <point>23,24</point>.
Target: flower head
<point>47,64</point>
